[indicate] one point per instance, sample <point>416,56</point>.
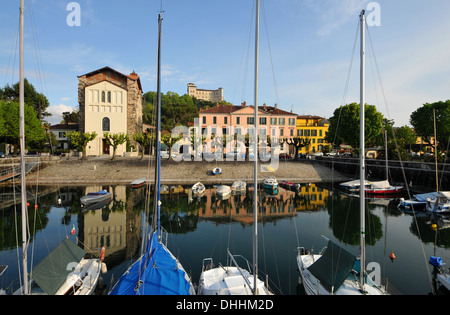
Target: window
<point>300,132</point>
<point>281,132</point>
<point>262,120</point>
<point>62,134</point>
<point>109,96</point>
<point>320,133</point>
<point>291,121</point>
<point>224,131</point>
<point>273,121</point>
<point>214,120</point>
<point>250,120</point>
<point>282,121</point>
<point>291,132</point>
<point>225,120</point>
<point>238,120</point>
<point>307,134</point>
<point>313,133</point>
<point>204,119</point>
<point>103,96</point>
<point>105,124</point>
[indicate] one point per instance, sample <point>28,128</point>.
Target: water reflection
<point>118,225</point>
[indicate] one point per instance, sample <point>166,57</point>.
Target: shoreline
<point>124,170</point>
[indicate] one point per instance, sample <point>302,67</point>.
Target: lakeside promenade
<point>124,170</point>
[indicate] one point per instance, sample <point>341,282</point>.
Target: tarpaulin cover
<point>333,267</point>
<point>53,270</point>
<point>155,273</point>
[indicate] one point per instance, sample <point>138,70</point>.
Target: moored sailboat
<point>337,271</point>
<point>235,280</point>
<point>156,271</point>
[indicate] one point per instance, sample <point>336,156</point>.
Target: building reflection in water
<point>309,197</point>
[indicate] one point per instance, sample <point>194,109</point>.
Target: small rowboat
<point>95,197</point>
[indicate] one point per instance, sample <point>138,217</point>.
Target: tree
<point>10,122</point>
<point>423,123</point>
<point>80,140</point>
<point>175,110</point>
<point>298,143</point>
<point>144,139</point>
<point>114,140</point>
<point>70,117</point>
<point>37,100</point>
<point>344,125</point>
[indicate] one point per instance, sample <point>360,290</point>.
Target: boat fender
<point>104,268</point>
<point>392,255</point>
<point>102,253</point>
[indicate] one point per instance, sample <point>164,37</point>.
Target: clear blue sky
<point>210,43</point>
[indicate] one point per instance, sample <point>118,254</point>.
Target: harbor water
<point>199,228</point>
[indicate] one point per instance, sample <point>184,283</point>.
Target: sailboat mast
<point>255,152</point>
<point>435,150</point>
<point>157,198</point>
<point>22,151</point>
<point>362,153</point>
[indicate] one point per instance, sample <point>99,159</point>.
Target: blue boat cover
<point>436,261</point>
<point>155,273</point>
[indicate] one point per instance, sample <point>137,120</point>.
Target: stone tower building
<point>109,101</point>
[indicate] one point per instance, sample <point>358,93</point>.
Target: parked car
<point>317,154</point>
<point>345,155</point>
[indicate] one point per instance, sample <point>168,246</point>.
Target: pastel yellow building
<point>312,128</point>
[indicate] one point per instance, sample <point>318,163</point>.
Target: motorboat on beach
<point>198,189</point>
<point>95,197</point>
<point>223,192</point>
<point>217,171</point>
<point>270,183</point>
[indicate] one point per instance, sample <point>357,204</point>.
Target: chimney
<point>244,104</point>
<point>276,105</point>
<point>265,107</point>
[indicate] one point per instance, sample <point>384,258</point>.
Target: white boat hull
<point>228,281</point>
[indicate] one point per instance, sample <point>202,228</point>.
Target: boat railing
<point>232,257</point>
<point>207,264</point>
<point>164,236</point>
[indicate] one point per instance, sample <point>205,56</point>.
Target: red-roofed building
<point>231,119</point>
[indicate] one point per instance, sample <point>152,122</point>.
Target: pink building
<point>231,119</point>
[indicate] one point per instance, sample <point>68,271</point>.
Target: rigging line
<point>270,52</point>
<point>401,165</point>
<point>244,76</point>
<point>11,54</point>
<point>37,52</point>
